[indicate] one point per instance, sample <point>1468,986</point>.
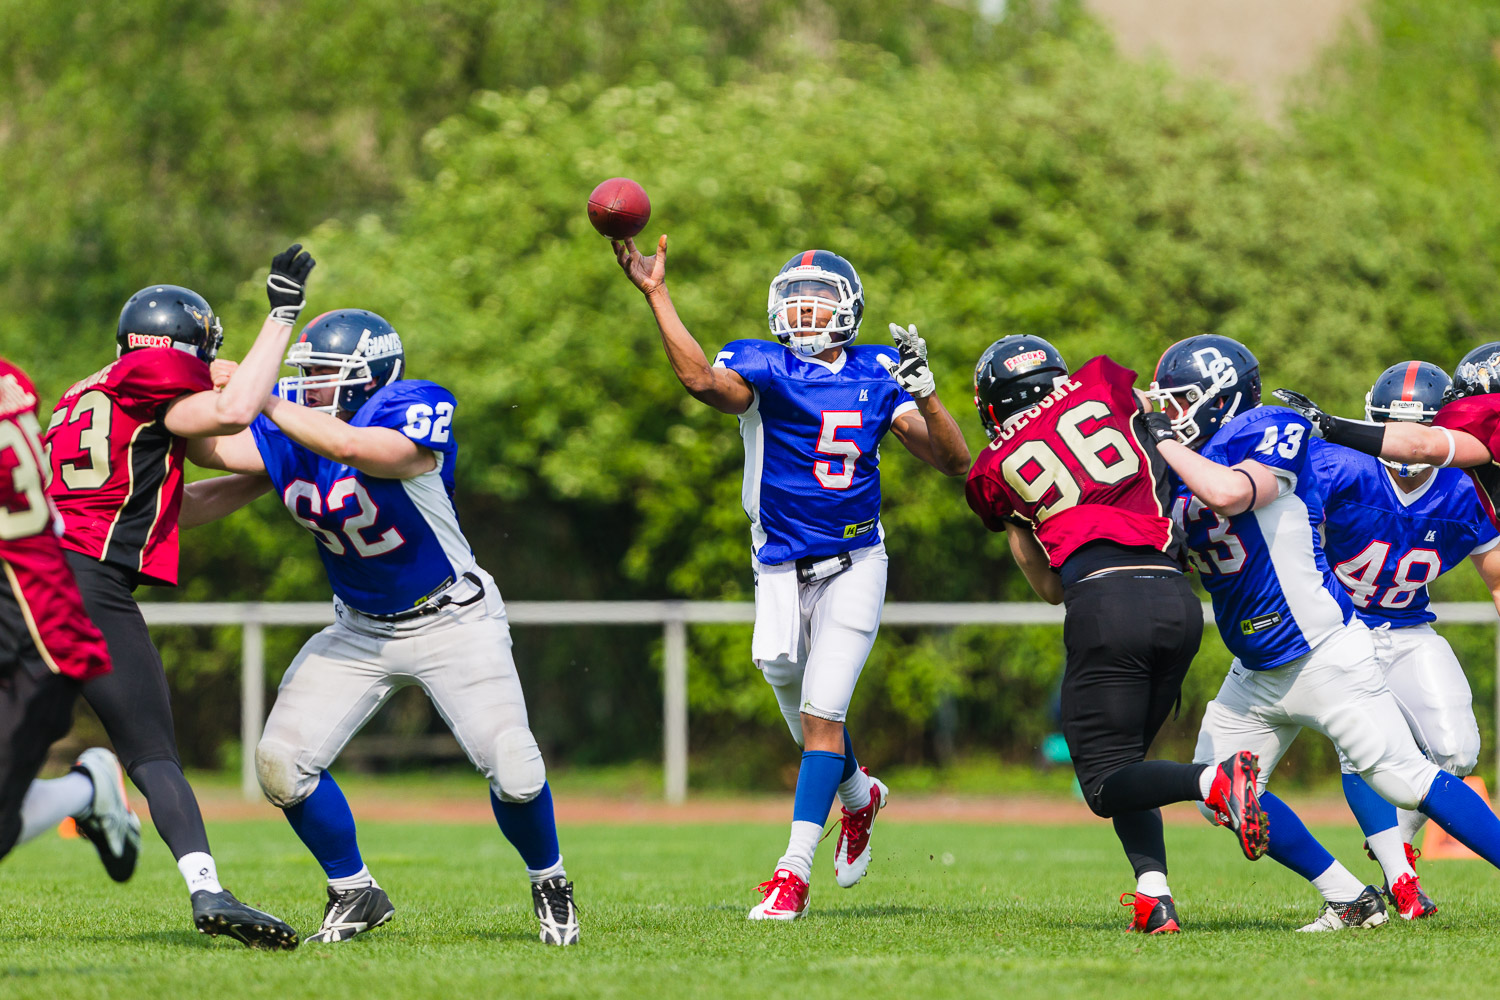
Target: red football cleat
<point>1410,901</point>
<point>1236,804</point>
<point>1152,914</point>
<point>785,897</point>
<point>851,856</point>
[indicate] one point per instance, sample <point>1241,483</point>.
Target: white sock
<point>48,803</point>
<point>1206,781</point>
<point>200,872</point>
<point>855,793</point>
<point>358,880</point>
<point>800,847</point>
<point>1390,851</point>
<point>1410,823</point>
<point>1337,884</point>
<point>544,874</point>
<point>1152,884</point>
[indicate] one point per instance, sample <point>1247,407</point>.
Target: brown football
<point>619,208</point>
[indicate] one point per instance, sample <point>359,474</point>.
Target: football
<point>619,208</point>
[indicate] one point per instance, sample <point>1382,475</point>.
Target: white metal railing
<point>672,616</point>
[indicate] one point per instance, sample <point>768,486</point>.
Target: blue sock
<point>1291,843</point>
<point>1373,813</point>
<point>850,764</point>
<point>1455,807</point>
<point>817,783</point>
<point>326,826</point>
<point>530,828</point>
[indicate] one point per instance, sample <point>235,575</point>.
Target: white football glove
<point>911,372</point>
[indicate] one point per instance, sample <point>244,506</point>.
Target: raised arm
<point>378,451</point>
<point>210,499</point>
<point>1395,440</point>
<point>933,437</point>
<point>720,388</point>
<point>230,409</point>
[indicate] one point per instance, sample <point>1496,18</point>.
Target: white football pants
<point>1430,686</point>
<point>460,656</point>
<point>1338,690</point>
<point>812,639</point>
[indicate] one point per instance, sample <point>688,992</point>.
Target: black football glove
<point>911,372</point>
<point>1362,435</point>
<point>1159,426</point>
<point>1310,411</point>
<point>287,285</point>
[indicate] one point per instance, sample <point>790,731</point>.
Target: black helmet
<point>363,349</point>
<point>1477,372</point>
<point>1012,375</point>
<point>1211,378</point>
<point>169,316</point>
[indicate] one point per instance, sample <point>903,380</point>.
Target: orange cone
<point>1439,843</point>
<point>68,828</point>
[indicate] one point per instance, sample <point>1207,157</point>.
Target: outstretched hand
<point>286,286</point>
<point>646,273</point>
<point>1306,408</point>
<point>912,371</point>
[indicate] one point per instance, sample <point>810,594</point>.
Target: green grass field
<point>947,911</point>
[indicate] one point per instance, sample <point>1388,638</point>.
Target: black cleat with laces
<point>553,901</point>
<point>1365,910</point>
<point>353,911</point>
<point>216,913</point>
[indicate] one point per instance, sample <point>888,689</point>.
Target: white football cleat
<point>785,897</point>
<point>851,856</point>
<point>110,824</point>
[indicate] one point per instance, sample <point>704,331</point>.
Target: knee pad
<point>1403,785</point>
<point>517,772</point>
<point>281,781</point>
<point>785,678</point>
<point>1460,759</point>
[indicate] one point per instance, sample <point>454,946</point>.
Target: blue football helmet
<point>816,302</point>
<point>1478,372</point>
<point>1411,390</point>
<point>169,316</point>
<point>1202,382</point>
<point>363,351</point>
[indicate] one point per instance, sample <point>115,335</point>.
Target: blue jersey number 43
<point>1283,440</point>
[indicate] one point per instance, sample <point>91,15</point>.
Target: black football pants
<point>36,710</point>
<point>1130,637</point>
<point>133,702</point>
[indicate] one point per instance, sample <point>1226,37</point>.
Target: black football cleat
<point>1152,914</point>
<point>1236,804</point>
<point>216,913</point>
<point>553,901</point>
<point>110,824</point>
<point>352,912</point>
<point>1365,910</point>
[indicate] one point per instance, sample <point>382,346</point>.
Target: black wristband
<point>1357,434</point>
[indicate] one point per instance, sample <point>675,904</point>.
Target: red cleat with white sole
<point>1410,901</point>
<point>785,897</point>
<point>851,856</point>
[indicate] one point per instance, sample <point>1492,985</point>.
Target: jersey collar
<point>1408,499</point>
<point>834,366</point>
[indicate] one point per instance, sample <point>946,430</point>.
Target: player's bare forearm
<point>1414,443</point>
<point>1488,564</point>
<point>1032,558</point>
<point>1225,490</point>
<point>378,451</point>
<point>950,452</point>
<point>933,436</point>
<point>720,388</point>
<point>210,499</point>
<point>228,453</point>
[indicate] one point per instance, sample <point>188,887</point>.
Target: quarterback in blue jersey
<point>367,465</point>
<point>1392,529</point>
<point>813,410</point>
<point>1251,507</point>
